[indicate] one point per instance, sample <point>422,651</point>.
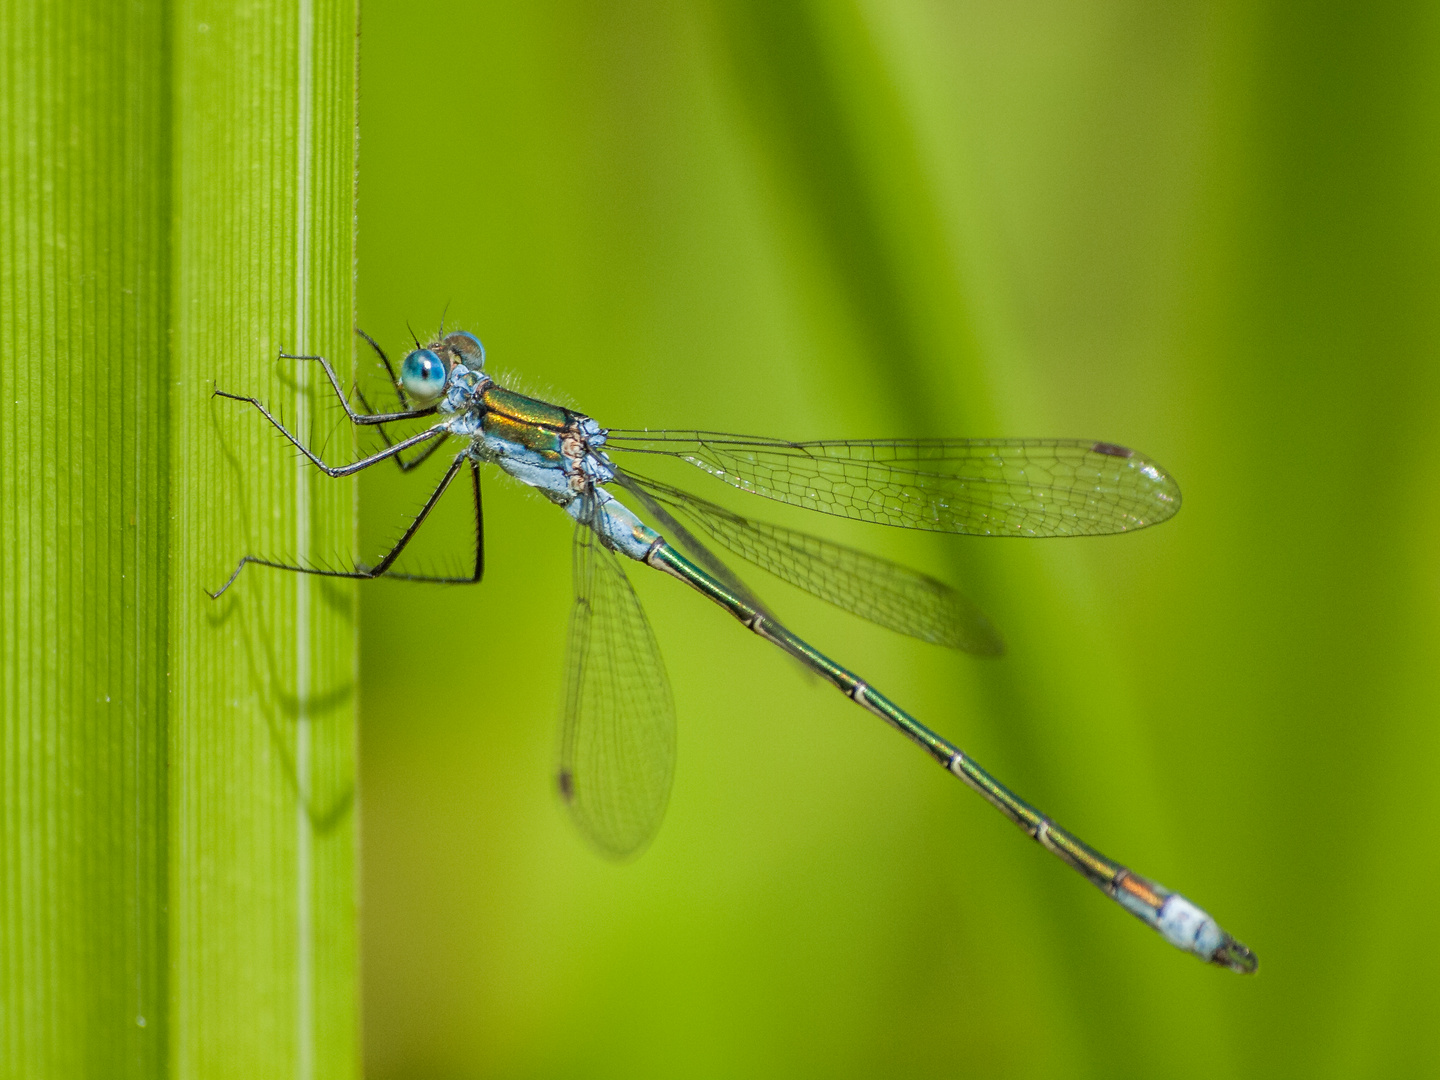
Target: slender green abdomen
<point>1177,919</point>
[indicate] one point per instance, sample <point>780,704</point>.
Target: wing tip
<point>1159,488</point>
<point>1111,450</point>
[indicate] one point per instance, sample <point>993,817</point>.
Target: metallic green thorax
<point>524,421</point>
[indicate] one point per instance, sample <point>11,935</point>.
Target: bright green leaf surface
<point>1207,232</point>
<point>261,739</point>
<point>176,206</point>
<point>83,530</point>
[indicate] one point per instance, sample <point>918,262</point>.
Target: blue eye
<point>468,348</point>
<point>423,374</point>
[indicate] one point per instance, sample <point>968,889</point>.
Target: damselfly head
<point>423,374</point>
<point>461,348</point>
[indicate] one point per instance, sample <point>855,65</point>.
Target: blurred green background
<point>1209,231</point>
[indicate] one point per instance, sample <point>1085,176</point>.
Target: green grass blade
<point>177,874</point>
<point>262,730</point>
<point>83,527</point>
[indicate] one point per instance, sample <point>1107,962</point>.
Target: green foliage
<point>1210,233</point>
<point>83,531</point>
<point>261,737</point>
<point>176,207</point>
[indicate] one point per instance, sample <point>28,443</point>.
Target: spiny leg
<point>361,418</point>
<point>415,462</point>
<point>405,466</point>
<point>479,572</point>
<point>389,370</point>
<point>381,568</point>
<point>424,456</point>
<point>340,470</point>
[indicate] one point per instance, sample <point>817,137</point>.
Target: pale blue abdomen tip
<point>1187,927</point>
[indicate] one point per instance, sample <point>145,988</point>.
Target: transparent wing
<point>984,487</point>
<point>617,734</point>
<point>677,533</point>
<point>884,592</point>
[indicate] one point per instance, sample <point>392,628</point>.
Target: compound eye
<point>422,374</point>
<point>468,348</point>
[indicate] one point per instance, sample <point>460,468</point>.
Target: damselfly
<point>617,753</point>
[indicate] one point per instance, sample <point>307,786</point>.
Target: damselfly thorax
<point>555,450</point>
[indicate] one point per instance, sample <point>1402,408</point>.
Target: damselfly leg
<point>424,455</point>
<point>365,417</point>
<point>434,435</point>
